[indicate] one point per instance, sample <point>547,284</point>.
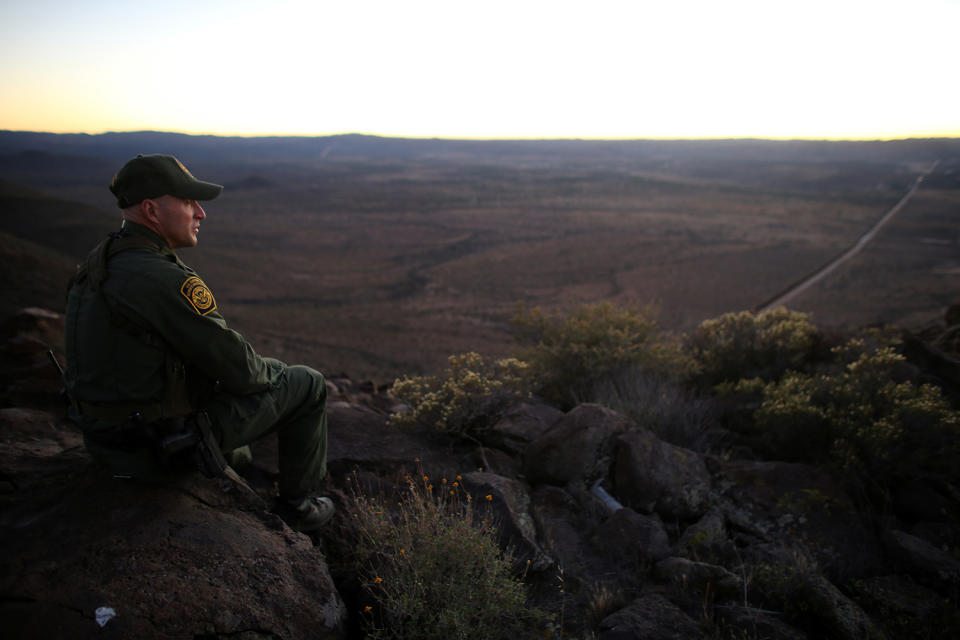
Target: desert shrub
<point>906,611</point>
<point>749,345</point>
<point>671,409</point>
<point>871,424</point>
<point>791,582</point>
<point>433,570</point>
<point>467,398</point>
<point>572,354</point>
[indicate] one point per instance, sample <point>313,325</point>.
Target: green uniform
<point>149,340</point>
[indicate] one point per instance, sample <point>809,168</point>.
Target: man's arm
<point>174,303</point>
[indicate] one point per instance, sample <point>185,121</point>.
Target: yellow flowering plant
<point>570,354</point>
<point>467,398</point>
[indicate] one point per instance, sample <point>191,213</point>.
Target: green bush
<point>571,354</point>
<point>748,345</point>
<point>432,570</point>
<point>466,399</point>
<point>874,426</point>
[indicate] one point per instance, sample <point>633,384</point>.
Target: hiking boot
<point>307,515</point>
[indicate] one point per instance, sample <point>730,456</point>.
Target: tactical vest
<point>175,402</point>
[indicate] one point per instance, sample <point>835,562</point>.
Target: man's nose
<point>198,211</point>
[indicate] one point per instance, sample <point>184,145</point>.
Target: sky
<point>824,69</point>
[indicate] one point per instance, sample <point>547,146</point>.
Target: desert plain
<point>379,257</point>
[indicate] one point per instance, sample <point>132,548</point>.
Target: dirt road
<point>782,298</point>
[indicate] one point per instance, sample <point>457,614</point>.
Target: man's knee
<point>310,382</point>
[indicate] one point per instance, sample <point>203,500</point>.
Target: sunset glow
<point>500,69</point>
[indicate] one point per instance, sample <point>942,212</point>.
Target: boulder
<point>921,559</point>
<point>650,617</point>
<point>629,539</point>
<point>651,475</point>
<point>577,448</point>
<point>700,578</point>
<point>36,449</point>
<point>707,539</point>
<point>90,555</point>
<point>562,524</point>
<point>509,507</point>
<point>922,501</point>
<point>747,622</point>
<point>832,611</point>
<point>360,437</point>
<point>521,425</point>
<point>797,505</point>
<point>28,376</point>
<point>905,609</point>
<point>94,556</point>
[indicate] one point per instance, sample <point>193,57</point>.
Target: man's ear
<point>150,210</point>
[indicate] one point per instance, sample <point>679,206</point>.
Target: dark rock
<point>952,315</point>
<point>921,559</point>
<point>652,475</point>
<point>905,609</point>
<point>916,501</point>
<point>36,449</point>
<point>629,539</point>
<point>747,622</point>
<point>360,437</point>
<point>798,505</point>
<point>28,376</point>
<point>562,524</point>
<point>834,612</point>
<point>707,539</point>
<point>41,324</point>
<point>522,425</point>
<point>650,617</point>
<point>183,559</point>
<point>577,448</point>
<point>509,507</point>
<point>700,578</point>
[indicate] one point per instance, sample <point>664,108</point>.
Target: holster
<point>206,454</point>
<point>178,443</point>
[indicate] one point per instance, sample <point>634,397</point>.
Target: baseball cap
<point>152,176</point>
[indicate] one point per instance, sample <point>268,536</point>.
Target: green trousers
<point>296,409</point>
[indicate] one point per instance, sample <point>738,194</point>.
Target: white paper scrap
<point>104,615</point>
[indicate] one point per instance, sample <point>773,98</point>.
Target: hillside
<point>615,530</point>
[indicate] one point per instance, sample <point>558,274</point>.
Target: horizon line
<point>954,136</point>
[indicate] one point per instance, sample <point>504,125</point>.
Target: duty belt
<point>169,439</point>
<point>148,413</point>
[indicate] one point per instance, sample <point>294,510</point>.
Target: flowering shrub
<point>432,570</point>
<point>864,418</point>
<point>467,398</point>
<point>747,345</point>
<point>573,354</point>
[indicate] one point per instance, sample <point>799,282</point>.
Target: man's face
<point>179,220</point>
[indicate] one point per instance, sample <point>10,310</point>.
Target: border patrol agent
<point>151,362</point>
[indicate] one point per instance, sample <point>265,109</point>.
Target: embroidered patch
<point>199,295</point>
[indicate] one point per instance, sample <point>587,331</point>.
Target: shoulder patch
<point>199,296</point>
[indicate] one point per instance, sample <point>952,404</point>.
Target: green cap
<point>158,175</point>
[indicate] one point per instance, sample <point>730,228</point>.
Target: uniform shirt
<point>111,363</point>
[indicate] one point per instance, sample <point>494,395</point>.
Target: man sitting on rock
<point>149,357</point>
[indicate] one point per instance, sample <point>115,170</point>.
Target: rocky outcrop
<point>576,449</point>
<point>627,535</point>
<point>651,475</point>
<point>89,555</point>
<point>185,559</point>
<point>651,617</point>
<point>920,559</point>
